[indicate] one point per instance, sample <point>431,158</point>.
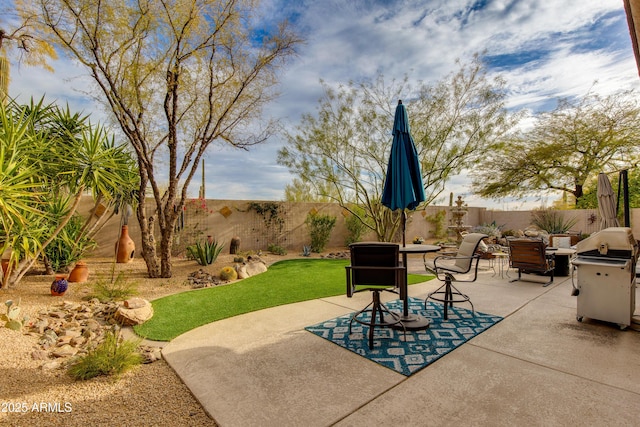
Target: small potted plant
<point>418,240</point>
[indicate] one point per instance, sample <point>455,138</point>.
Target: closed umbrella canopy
<point>606,203</point>
<point>403,188</point>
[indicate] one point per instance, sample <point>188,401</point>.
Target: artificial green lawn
<point>285,282</point>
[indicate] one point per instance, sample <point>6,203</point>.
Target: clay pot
<point>59,286</point>
<point>125,246</point>
<point>79,274</point>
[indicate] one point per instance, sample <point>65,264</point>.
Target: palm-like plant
<point>51,156</point>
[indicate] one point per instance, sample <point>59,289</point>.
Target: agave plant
<point>205,252</point>
<point>552,221</point>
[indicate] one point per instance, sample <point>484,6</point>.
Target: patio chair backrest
<point>374,254</point>
<point>467,249</point>
<point>528,254</point>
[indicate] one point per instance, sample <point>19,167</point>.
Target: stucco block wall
<point>226,219</point>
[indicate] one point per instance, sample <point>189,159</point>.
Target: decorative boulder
<point>251,267</point>
<point>134,311</point>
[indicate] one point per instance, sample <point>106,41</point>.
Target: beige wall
<point>225,219</point>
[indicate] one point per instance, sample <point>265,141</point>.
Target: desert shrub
<point>320,227</point>
<point>68,246</point>
<point>552,221</point>
<point>491,230</point>
<point>438,222</point>
<point>111,357</point>
<point>276,249</point>
<point>113,290</point>
<point>355,226</point>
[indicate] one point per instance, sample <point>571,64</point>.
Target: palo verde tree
<point>565,148</point>
<point>345,148</point>
<point>178,76</point>
<point>18,39</point>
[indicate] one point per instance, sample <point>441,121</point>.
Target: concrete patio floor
<point>539,366</point>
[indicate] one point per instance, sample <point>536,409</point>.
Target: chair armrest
<point>363,267</point>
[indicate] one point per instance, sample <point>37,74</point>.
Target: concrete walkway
<point>539,366</point>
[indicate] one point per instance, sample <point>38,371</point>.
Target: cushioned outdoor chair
<point>375,267</point>
<point>530,256</point>
<point>444,267</point>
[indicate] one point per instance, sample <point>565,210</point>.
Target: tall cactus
<point>4,78</point>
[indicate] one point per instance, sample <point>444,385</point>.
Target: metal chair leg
<point>378,310</point>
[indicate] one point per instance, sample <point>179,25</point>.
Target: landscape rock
<point>135,303</point>
<point>52,365</point>
<point>201,279</point>
<point>337,255</point>
<point>39,355</point>
<point>70,329</point>
<point>134,316</point>
<point>251,267</point>
<point>64,351</point>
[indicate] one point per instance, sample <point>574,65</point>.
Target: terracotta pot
<point>79,274</point>
<point>125,246</point>
<point>59,286</point>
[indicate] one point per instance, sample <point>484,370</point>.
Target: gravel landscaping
<point>35,389</point>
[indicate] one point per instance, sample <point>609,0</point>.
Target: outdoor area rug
<point>421,348</point>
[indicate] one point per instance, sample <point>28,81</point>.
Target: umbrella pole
<point>404,227</point>
<point>405,297</point>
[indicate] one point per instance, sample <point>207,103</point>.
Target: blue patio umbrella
<point>403,188</point>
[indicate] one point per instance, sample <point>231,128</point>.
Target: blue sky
<point>544,49</point>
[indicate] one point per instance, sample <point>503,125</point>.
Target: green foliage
<point>205,252</point>
<point>320,227</point>
<point>285,282</point>
<point>276,249</point>
<point>49,158</point>
<point>113,290</point>
<point>272,214</point>
<point>438,222</point>
<point>356,227</point>
<point>113,356</point>
<point>343,150</point>
<point>211,67</point>
<point>69,245</point>
<point>552,221</point>
<point>590,198</point>
<point>228,273</point>
<point>565,149</point>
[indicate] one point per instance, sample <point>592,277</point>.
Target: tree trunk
<point>148,250</point>
<point>578,193</point>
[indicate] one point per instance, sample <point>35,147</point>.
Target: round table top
<point>561,251</point>
<point>418,248</point>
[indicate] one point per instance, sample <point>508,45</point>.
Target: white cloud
<point>354,39</point>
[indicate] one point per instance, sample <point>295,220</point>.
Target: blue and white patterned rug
<point>421,348</point>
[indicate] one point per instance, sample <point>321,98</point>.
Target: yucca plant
<point>48,154</point>
<point>205,252</point>
<point>551,221</point>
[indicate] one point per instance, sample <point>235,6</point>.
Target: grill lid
<point>614,242</point>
